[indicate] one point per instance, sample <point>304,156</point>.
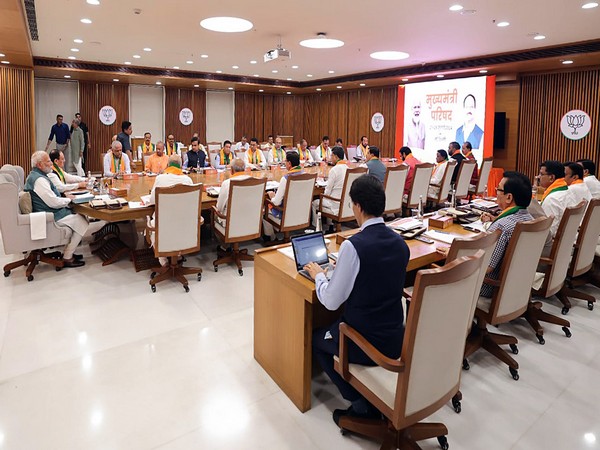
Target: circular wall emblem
<point>377,122</point>
<point>575,124</point>
<point>186,116</point>
<point>107,115</point>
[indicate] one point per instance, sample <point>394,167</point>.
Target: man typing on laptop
<point>369,279</point>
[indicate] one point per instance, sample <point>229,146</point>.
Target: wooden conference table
<point>286,310</point>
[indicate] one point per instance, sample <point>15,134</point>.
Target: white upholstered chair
<point>484,175</point>
<point>145,157</point>
<point>296,206</point>
<point>16,231</point>
<point>427,374</point>
<point>19,176</point>
<point>393,183</point>
<point>213,146</point>
<point>181,205</point>
<point>444,187</point>
<point>242,221</point>
<point>511,293</point>
<point>420,185</point>
<point>350,153</point>
<point>345,213</point>
<point>463,179</point>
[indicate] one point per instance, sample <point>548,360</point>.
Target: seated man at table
<point>172,146</point>
<point>304,152</point>
<point>277,154</point>
<point>254,157</point>
<point>334,186</point>
<point>238,171</point>
<point>408,159</point>
<point>574,179</point>
<point>375,166</point>
<point>454,152</point>
<point>513,197</point>
<point>362,148</point>
<point>242,146</point>
<point>147,146</point>
<point>374,309</point>
<point>63,181</point>
<point>589,176</point>
<point>441,160</point>
<point>557,196</point>
<point>467,151</point>
<point>195,158</point>
<point>115,161</point>
<point>157,162</point>
<point>46,198</point>
<point>323,151</point>
<point>292,164</point>
<point>225,156</point>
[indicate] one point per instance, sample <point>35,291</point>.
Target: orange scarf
<point>410,155</point>
<point>147,149</point>
<point>174,170</point>
<point>469,155</point>
<point>323,151</point>
<point>276,156</point>
<point>577,182</point>
<point>171,150</point>
<point>224,159</point>
<point>558,185</point>
<point>437,166</point>
<point>256,158</point>
<point>113,164</point>
<point>303,155</point>
<point>342,161</point>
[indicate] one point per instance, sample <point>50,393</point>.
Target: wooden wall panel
<point>507,100</point>
<point>544,100</point>
<point>175,100</point>
<point>17,138</point>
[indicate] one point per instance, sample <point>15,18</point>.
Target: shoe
<point>372,414</point>
<point>266,238</point>
<point>74,263</point>
<point>75,256</point>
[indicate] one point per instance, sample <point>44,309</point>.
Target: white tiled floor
<point>90,358</point>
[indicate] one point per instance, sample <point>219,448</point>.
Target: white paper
<point>440,236</point>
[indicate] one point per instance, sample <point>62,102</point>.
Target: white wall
<point>146,111</point>
<point>53,97</point>
<point>220,108</point>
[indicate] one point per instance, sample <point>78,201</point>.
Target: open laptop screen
<point>309,248</point>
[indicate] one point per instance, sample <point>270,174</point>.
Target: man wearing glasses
<point>557,196</point>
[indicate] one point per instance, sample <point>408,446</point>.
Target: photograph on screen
<point>439,112</point>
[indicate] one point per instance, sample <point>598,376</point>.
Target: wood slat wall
<point>345,114</point>
<point>544,101</point>
<point>92,97</point>
<point>175,100</point>
<point>17,131</point>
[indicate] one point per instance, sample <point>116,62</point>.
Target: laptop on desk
<point>310,248</point>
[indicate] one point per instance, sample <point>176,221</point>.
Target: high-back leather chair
<point>420,185</point>
<point>393,183</point>
<point>484,175</point>
<point>444,187</point>
<point>463,180</point>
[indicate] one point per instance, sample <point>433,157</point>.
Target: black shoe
<point>331,229</point>
<point>372,413</point>
<point>266,238</point>
<point>75,256</point>
<point>74,263</point>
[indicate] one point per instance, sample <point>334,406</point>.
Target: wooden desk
<point>286,310</point>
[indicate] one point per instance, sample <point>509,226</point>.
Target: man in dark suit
<point>454,152</point>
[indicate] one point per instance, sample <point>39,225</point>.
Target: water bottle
<point>453,198</point>
<point>90,181</point>
<point>319,225</point>
<point>420,210</point>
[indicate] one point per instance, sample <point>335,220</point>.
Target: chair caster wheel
<point>241,272</point>
<point>466,365</point>
<point>216,268</point>
<point>514,373</point>
<point>6,273</point>
<point>30,278</point>
<point>186,288</point>
<point>58,269</point>
<point>343,432</point>
<point>457,406</point>
<point>564,311</point>
<point>591,306</point>
<point>443,442</point>
<point>153,287</point>
<point>541,339</point>
<point>199,277</point>
<point>152,275</point>
<point>514,349</point>
<point>567,332</point>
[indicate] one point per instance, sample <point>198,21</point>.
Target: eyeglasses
<point>500,190</point>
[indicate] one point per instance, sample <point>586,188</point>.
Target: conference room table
<point>286,310</point>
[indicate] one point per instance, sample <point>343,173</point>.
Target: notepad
<point>439,236</point>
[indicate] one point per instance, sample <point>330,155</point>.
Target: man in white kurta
<point>435,183</point>
<point>574,179</point>
<point>589,176</point>
<point>63,181</point>
<point>323,151</point>
<point>335,185</point>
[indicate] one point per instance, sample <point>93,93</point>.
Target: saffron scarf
<point>174,169</point>
<point>437,166</point>
<point>508,212</point>
<point>171,150</point>
<point>58,171</point>
<point>276,156</point>
<point>147,149</point>
<point>223,158</point>
<point>558,185</point>
<point>113,164</point>
<point>303,155</point>
<point>256,158</point>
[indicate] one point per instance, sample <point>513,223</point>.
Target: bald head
<point>238,165</point>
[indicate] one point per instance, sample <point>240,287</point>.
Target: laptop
<point>310,248</point>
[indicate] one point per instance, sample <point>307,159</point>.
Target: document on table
<point>477,226</point>
<point>440,236</point>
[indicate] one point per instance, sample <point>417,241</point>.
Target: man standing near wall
<point>59,130</point>
<point>86,138</point>
<point>124,137</point>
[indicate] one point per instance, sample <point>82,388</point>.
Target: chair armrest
<point>347,332</point>
<point>218,213</point>
<point>330,197</point>
<point>491,282</point>
<point>407,294</point>
<point>546,261</point>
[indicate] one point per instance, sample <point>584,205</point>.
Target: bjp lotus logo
<point>575,121</point>
<point>107,115</point>
<point>575,124</point>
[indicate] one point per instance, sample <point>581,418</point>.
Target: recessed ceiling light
<point>218,71</point>
<point>252,62</point>
<point>274,70</point>
<point>93,2</point>
<point>539,37</point>
<point>87,21</point>
<point>127,63</point>
<point>256,75</point>
<point>196,85</point>
<point>67,76</point>
<point>483,71</point>
<point>567,61</point>
<point>158,83</point>
<point>440,76</point>
<point>136,56</point>
<point>589,5</point>
<point>261,90</point>
<point>289,79</point>
<point>230,88</point>
<point>115,80</point>
<point>331,71</point>
<point>204,56</point>
<point>321,41</point>
<point>5,62</point>
<point>288,92</point>
<point>235,67</point>
<point>71,57</point>
<point>226,24</point>
<point>455,8</point>
<point>78,41</point>
<point>176,67</point>
<point>503,24</point>
<point>147,49</point>
<point>389,55</point>
<point>294,67</point>
<point>189,62</point>
<point>74,49</point>
<point>2,55</point>
<point>338,87</point>
<point>318,89</point>
<point>404,79</point>
<point>362,84</point>
<point>309,75</point>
